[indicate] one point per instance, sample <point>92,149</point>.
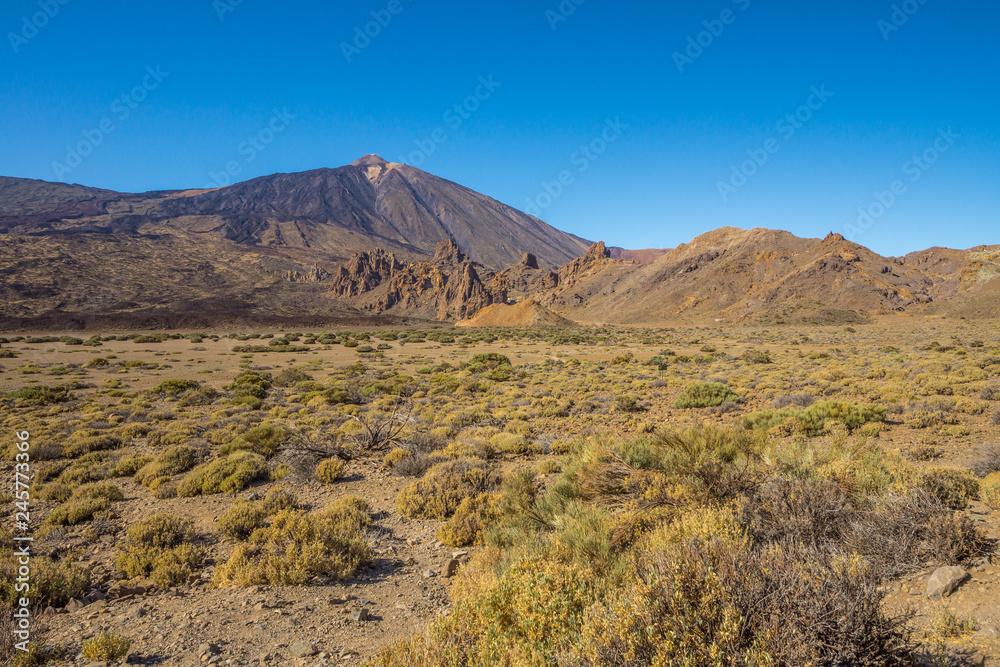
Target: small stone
<point>429,574</point>
<point>459,554</point>
<point>359,614</point>
<point>944,580</point>
<point>303,649</point>
<point>74,605</point>
<point>977,660</point>
<point>451,568</point>
<point>987,632</point>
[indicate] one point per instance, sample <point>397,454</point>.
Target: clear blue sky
<point>657,184</point>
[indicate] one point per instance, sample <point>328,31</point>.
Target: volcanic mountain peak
<point>374,167</point>
<point>369,160</point>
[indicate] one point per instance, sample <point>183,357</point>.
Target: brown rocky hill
<point>767,275</point>
<point>756,275</point>
<point>527,313</point>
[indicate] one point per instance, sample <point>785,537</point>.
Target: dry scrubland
<point>592,496</point>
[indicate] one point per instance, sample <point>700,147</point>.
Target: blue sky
<point>651,147</point>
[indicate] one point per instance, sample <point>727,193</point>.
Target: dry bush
<point>950,539</point>
<point>415,465</point>
<point>903,531</point>
<point>988,463</point>
<point>379,432</point>
<point>719,603</point>
<point>954,488</point>
<point>809,511</point>
<point>799,400</point>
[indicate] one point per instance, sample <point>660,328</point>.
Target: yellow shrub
<point>438,494</point>
<point>989,490</point>
<point>297,546</point>
<point>471,519</point>
<point>330,470</point>
<point>106,647</point>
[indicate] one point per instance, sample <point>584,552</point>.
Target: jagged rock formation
<point>316,274</point>
<point>447,287</point>
<point>365,272</point>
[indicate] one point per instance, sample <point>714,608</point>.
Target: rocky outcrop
<point>597,257</point>
<point>314,275</point>
<point>365,272</point>
<point>449,286</point>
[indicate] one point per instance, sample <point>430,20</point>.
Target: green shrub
<point>472,518</point>
<point>129,466</point>
<point>225,475</point>
<point>250,388</point>
<point>167,463</point>
<point>813,420</point>
<point>105,490</point>
<point>77,511</point>
<point>535,611</point>
<point>705,395</point>
<point>41,395</point>
<point>175,387</point>
<point>264,439</point>
<point>52,582</point>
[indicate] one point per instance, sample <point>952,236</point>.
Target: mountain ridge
<point>386,240</point>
